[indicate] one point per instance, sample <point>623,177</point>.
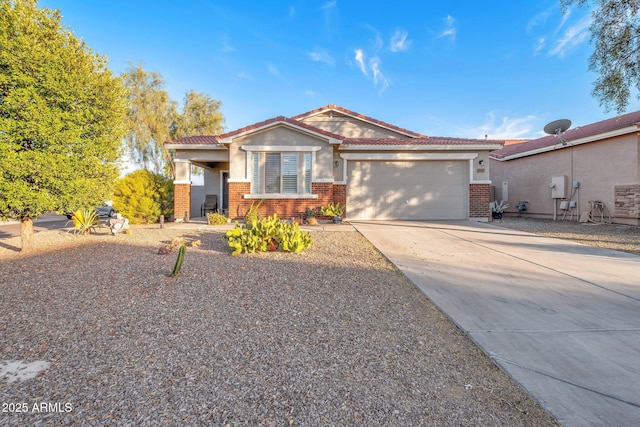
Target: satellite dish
<point>557,128</point>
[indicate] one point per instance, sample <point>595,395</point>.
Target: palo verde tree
<point>62,116</point>
<point>154,118</point>
<point>615,32</point>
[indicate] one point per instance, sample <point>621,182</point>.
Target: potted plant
<point>334,210</point>
<point>497,208</point>
<point>310,215</point>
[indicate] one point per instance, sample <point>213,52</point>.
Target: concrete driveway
<point>562,319</point>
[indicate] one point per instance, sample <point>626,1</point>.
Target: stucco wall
<point>597,166</point>
<point>350,127</point>
<point>280,136</point>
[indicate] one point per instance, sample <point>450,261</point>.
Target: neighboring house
<point>331,154</point>
<point>599,162</point>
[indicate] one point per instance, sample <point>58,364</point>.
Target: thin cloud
<point>329,4</point>
<point>359,58</point>
<point>379,80</point>
<point>539,18</point>
<point>311,93</point>
<point>572,37</point>
<point>225,45</point>
<point>540,46</point>
<point>399,42</point>
<point>321,55</point>
<point>292,12</point>
<point>330,11</point>
<point>372,67</point>
<point>245,76</point>
<point>450,29</point>
<point>273,69</point>
<point>504,128</point>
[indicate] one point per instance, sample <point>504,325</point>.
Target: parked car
<point>104,210</point>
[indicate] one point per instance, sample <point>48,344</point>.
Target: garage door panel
<point>407,190</point>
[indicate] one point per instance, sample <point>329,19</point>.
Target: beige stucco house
<point>596,166</point>
<point>331,154</point>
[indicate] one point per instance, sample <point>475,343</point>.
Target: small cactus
<point>179,260</point>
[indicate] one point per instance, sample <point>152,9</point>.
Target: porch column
<point>182,191</point>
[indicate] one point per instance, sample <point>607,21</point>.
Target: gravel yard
<point>335,336</point>
<point>618,237</point>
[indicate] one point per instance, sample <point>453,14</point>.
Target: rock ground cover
<point>332,336</point>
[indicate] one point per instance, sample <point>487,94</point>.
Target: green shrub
<point>215,218</point>
<point>333,209</point>
<point>267,234</point>
<point>143,196</point>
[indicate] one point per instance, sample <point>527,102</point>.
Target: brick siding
<point>182,201</point>
<point>285,208</point>
<point>479,199</point>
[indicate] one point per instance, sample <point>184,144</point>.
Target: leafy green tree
<point>61,117</point>
<point>142,196</point>
<point>615,32</point>
<point>153,119</point>
<point>200,116</point>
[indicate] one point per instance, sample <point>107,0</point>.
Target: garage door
<point>411,190</point>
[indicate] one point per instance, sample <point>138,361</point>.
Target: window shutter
<point>307,173</point>
<point>290,173</point>
<point>255,178</point>
<point>272,173</point>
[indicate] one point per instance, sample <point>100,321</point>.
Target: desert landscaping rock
<point>334,336</point>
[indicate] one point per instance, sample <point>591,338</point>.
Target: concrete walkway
<point>562,319</point>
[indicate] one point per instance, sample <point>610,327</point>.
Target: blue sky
<point>455,68</point>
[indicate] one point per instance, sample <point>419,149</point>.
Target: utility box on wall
<point>558,186</point>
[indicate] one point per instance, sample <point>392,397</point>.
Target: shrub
<point>267,234</point>
<point>143,196</point>
<point>333,209</point>
<point>216,219</point>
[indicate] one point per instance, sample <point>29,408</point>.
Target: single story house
<point>334,155</point>
<point>593,168</point>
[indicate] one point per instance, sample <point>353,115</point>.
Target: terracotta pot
<point>312,220</point>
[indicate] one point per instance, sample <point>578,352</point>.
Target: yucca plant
<point>85,220</point>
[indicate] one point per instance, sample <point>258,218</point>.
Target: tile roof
<point>427,140</point>
<point>575,134</point>
<point>280,119</point>
<point>197,140</point>
<point>359,116</point>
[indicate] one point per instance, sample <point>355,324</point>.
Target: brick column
<point>181,201</point>
<point>238,205</point>
<point>479,199</point>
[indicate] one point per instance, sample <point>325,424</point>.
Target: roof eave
<point>171,146</point>
<point>424,147</point>
<point>573,143</point>
<point>330,139</point>
<point>365,119</point>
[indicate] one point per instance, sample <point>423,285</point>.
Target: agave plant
<point>85,220</point>
<point>499,206</point>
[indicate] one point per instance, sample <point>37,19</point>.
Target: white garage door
<point>411,190</point>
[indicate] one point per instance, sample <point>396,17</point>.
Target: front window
<point>281,173</point>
